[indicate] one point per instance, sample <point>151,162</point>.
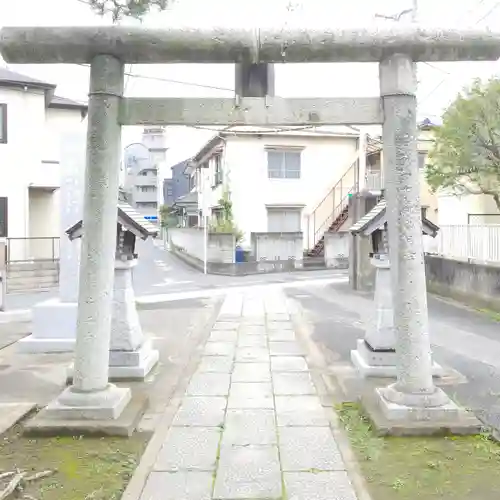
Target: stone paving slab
<point>216,364</point>
<point>250,472</point>
<point>189,448</point>
<point>318,486</point>
<point>251,422</point>
<point>288,364</point>
<point>251,372</point>
<point>201,411</point>
<point>185,485</point>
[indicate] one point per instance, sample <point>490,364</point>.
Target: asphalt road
<point>158,272</point>
<point>465,342</point>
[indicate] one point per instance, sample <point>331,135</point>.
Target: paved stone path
<point>250,425</point>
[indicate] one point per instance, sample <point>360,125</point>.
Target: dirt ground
<point>85,468</point>
<point>454,467</point>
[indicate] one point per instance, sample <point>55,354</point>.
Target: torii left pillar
<point>92,397</point>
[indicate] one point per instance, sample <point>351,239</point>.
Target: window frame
<point>3,124</point>
<point>218,174</point>
<point>297,210</point>
<point>284,172</point>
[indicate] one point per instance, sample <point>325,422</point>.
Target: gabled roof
<point>129,218</point>
<point>248,131</point>
<point>377,217</point>
<point>10,78</point>
<point>65,103</point>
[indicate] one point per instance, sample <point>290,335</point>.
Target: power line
<point>444,80</point>
<point>170,80</point>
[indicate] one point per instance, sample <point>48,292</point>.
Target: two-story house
<point>274,178</point>
<point>32,123</point>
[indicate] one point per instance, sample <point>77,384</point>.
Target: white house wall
<point>32,138</point>
<point>323,162</point>
<point>468,209</point>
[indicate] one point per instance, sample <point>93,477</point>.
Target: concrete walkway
<point>250,425</point>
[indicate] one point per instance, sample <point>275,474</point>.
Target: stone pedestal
<point>54,327</point>
<point>375,355</point>
<point>54,320</point>
<point>130,355</point>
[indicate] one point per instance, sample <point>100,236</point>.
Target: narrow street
<point>160,273</point>
<point>465,342</point>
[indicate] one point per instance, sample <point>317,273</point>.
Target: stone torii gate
<point>107,49</point>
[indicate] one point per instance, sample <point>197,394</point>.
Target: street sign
<point>151,217</point>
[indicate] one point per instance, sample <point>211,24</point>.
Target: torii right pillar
<point>413,402</point>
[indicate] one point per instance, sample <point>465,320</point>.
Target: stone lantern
<point>130,354</point>
<point>375,355</point>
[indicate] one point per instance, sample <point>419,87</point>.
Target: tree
<point>466,153</point>
<point>126,8</point>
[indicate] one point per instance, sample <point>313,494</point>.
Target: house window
<point>218,170</point>
<point>217,214</point>
<point>3,123</point>
<point>147,189</point>
<point>284,220</point>
<point>422,158</point>
<point>283,164</point>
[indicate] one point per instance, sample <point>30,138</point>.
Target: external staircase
<point>333,210</point>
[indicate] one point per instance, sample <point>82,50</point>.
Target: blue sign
<point>151,217</point>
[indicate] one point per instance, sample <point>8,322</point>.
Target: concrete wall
<point>475,284</point>
<point>220,249</point>
<point>278,247</point>
<point>244,164</point>
<point>337,248</point>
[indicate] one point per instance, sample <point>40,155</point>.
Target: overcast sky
<point>438,84</point>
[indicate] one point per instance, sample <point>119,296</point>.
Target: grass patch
<point>494,315</point>
<point>402,468</point>
<point>87,468</point>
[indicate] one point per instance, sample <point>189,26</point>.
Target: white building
<point>276,179</point>
<point>32,121</point>
<point>145,169</point>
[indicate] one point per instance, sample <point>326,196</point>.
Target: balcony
<point>146,180</point>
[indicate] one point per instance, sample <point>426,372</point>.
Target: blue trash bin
<point>239,255</point>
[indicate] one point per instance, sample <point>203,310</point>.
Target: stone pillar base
<point>380,363</point>
<point>133,365</point>
<point>423,417</point>
<point>129,365</point>
<point>54,328</point>
<point>103,405</point>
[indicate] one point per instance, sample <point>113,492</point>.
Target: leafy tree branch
<point>126,8</point>
<point>466,153</point>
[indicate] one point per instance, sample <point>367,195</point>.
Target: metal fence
<point>478,242</point>
<point>32,249</point>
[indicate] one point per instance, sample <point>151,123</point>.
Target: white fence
<point>468,242</point>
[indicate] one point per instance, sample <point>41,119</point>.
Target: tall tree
<point>466,153</point>
<point>126,8</point>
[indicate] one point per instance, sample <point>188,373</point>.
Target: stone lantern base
<point>375,355</point>
<point>131,356</point>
